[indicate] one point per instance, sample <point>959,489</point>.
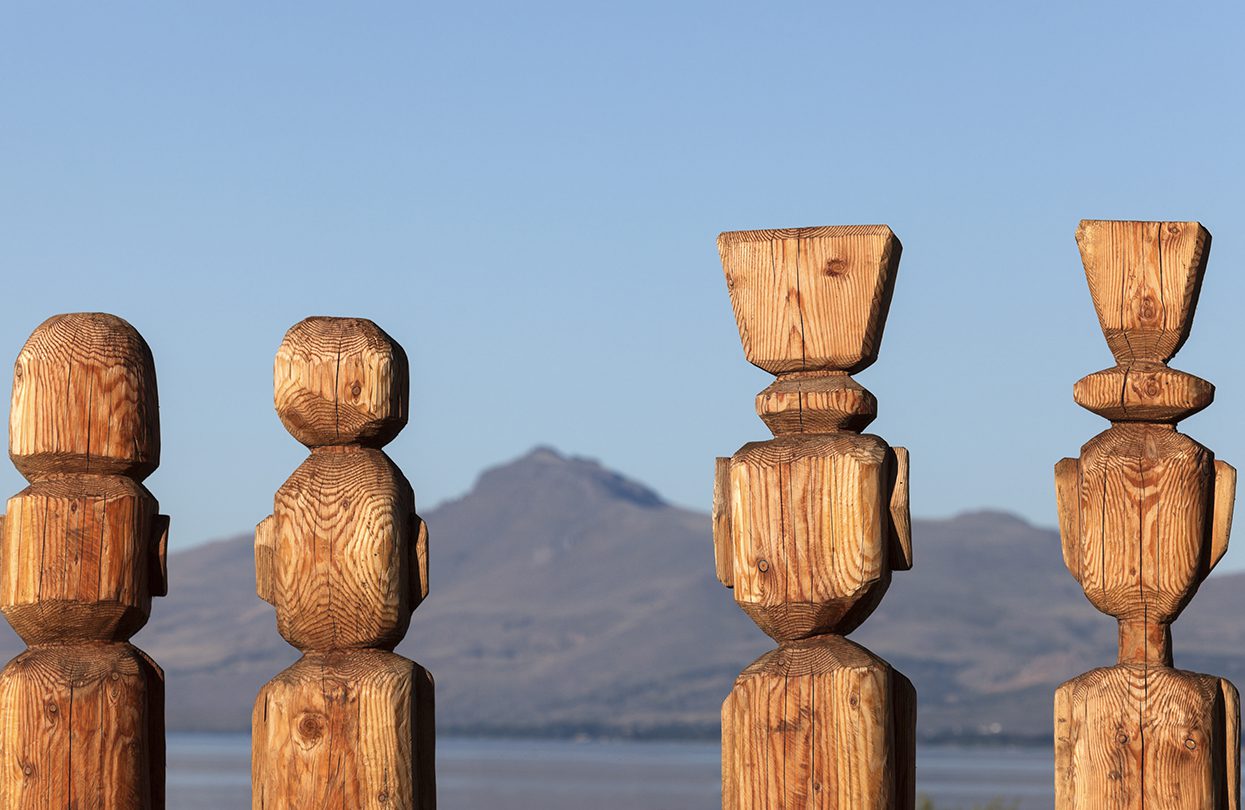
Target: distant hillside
<point>566,598</point>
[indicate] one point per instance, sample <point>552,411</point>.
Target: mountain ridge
<point>569,599</point>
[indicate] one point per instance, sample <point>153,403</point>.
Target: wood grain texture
<point>84,399</point>
<point>1221,524</point>
<point>340,381</point>
<point>345,730</point>
<point>1144,278</point>
<point>83,550</point>
<point>1133,737</point>
<point>816,402</point>
<point>1145,511</point>
<point>723,542</point>
<point>1068,497</point>
<point>809,526</point>
<point>1231,744</point>
<point>418,560</point>
<point>265,562</point>
<point>900,510</point>
<point>82,728</point>
<point>1144,515</point>
<point>820,723</point>
<point>342,551</point>
<point>97,575</point>
<point>344,560</point>
<point>1143,392</point>
<point>811,298</point>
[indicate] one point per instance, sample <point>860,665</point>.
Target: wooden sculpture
<point>82,551</point>
<point>344,560</point>
<point>1144,514</point>
<point>808,527</point>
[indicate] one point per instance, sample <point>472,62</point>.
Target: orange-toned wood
<point>82,552</point>
<point>344,560</point>
<point>1144,514</point>
<point>346,728</point>
<point>808,527</point>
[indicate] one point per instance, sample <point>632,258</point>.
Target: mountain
<point>568,599</point>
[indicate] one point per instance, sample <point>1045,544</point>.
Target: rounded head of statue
<point>340,381</point>
<point>84,399</point>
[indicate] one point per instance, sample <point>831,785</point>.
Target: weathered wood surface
<point>809,526</point>
<point>346,728</point>
<point>1145,514</point>
<point>811,299</point>
<point>82,551</point>
<point>344,560</point>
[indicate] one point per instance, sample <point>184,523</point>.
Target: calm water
<point>213,771</point>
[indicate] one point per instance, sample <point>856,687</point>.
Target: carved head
<point>1144,278</point>
<point>84,399</point>
<point>810,299</point>
<point>339,381</point>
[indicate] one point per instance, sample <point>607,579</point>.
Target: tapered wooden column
<point>82,551</point>
<point>344,560</point>
<point>808,527</point>
<point>1144,514</point>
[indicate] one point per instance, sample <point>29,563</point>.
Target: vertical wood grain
<point>809,526</point>
<point>83,549</point>
<point>1145,513</point>
<point>344,561</point>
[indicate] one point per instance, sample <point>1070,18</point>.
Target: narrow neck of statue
<point>1143,642</point>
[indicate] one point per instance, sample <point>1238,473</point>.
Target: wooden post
<point>1144,515</point>
<point>82,551</point>
<point>344,560</point>
<point>808,527</point>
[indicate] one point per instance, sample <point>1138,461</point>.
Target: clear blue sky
<point>526,195</point>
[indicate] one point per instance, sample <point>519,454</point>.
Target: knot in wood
<point>835,266</point>
<point>311,727</point>
<point>1149,310</point>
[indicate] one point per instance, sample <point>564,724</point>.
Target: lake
<point>213,771</point>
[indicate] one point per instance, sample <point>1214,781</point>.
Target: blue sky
<point>527,196</point>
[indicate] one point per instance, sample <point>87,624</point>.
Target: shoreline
<point>948,741</point>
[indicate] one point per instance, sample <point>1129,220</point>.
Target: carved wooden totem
<point>344,560</point>
<point>82,551</point>
<point>1144,514</point>
<point>808,527</point>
